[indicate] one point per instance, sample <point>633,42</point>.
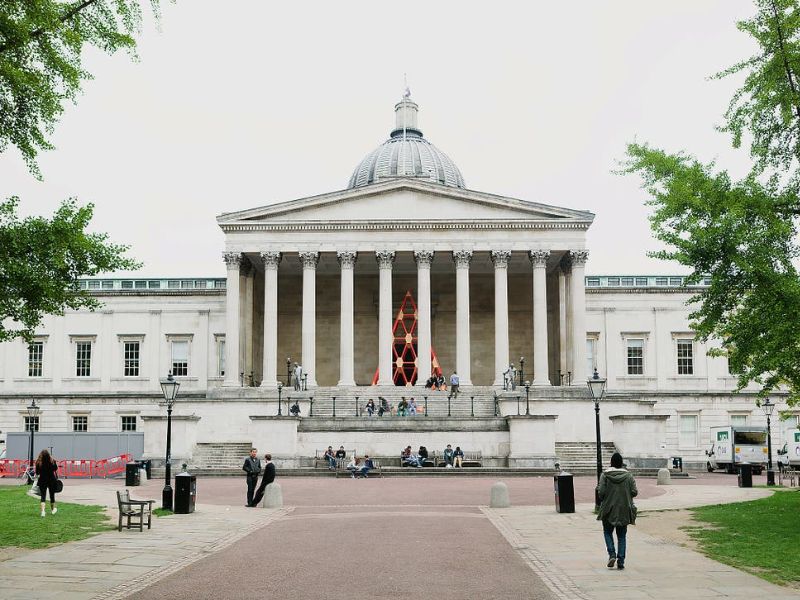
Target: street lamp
<point>280,387</point>
<point>527,398</point>
<point>288,370</point>
<point>169,387</point>
<point>597,386</point>
<point>768,407</point>
<point>521,369</point>
<point>33,413</point>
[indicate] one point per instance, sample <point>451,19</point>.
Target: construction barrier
<point>111,466</point>
<point>75,468</point>
<point>12,467</point>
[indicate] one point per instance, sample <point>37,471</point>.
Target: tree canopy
<point>742,234</point>
<point>41,67</point>
<point>41,260</point>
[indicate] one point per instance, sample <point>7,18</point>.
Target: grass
<point>22,527</point>
<point>760,537</point>
<point>162,512</point>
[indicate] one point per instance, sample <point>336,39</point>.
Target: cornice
<point>405,225</point>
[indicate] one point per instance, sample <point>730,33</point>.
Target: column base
<point>270,385</point>
<point>541,383</point>
<point>350,383</point>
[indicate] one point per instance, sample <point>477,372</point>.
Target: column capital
<point>462,258</point>
<point>385,258</point>
<point>271,260</point>
<point>246,268</point>
<point>233,260</point>
<point>346,258</point>
<point>500,258</point>
<point>309,259</point>
<point>578,257</point>
<point>424,258</point>
<point>539,257</point>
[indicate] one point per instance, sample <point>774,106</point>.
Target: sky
<point>242,104</point>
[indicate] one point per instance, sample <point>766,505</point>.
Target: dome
<point>406,154</point>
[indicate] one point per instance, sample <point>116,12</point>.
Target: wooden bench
<point>133,509</point>
<point>471,459</point>
<point>791,476</point>
<point>342,470</point>
<point>320,459</point>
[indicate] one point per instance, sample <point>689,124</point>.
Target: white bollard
<point>664,477</point>
<point>499,496</point>
<point>273,496</point>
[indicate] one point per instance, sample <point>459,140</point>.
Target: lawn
<point>21,526</point>
<point>761,537</point>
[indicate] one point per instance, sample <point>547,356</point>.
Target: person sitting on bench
<point>410,459</point>
<point>448,456</point>
<point>458,457</point>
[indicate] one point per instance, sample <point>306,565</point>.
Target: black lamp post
<point>288,370</point>
<point>280,387</point>
<point>170,389</point>
<point>597,386</point>
<point>33,413</point>
<point>768,407</point>
<point>527,398</point>
<point>521,369</point>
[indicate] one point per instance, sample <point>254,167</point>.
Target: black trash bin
<point>565,493</point>
<point>745,475</point>
<point>677,463</point>
<point>132,474</point>
<point>147,465</point>
<point>185,493</point>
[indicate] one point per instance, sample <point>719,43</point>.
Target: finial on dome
<point>405,111</point>
<point>407,90</point>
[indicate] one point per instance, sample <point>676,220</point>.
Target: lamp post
<point>768,407</point>
<point>597,386</point>
<point>169,387</point>
<point>527,398</point>
<point>521,369</point>
<point>280,387</point>
<point>288,370</point>
<point>33,413</point>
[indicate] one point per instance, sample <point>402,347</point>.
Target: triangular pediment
<point>402,199</point>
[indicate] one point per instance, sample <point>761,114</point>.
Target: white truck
<point>731,446</point>
<point>789,455</point>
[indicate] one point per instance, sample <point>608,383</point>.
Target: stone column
<point>271,261</point>
<point>462,259</point>
<point>562,322</point>
<point>233,261</point>
<point>347,263</point>
<point>246,329</point>
<point>500,259</point>
<point>424,259</point>
<point>385,259</point>
<point>541,367</point>
<point>309,261</point>
<point>578,259</point>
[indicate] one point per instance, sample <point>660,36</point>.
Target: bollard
<point>356,405</point>
<point>426,405</point>
<point>448,406</point>
<point>664,477</point>
<point>334,406</point>
<point>472,406</point>
<point>311,406</point>
<point>499,496</point>
<point>273,496</point>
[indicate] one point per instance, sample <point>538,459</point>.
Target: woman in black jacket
<point>46,469</point>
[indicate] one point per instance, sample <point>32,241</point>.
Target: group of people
<point>356,466</point>
<point>451,458</point>
<point>405,407</point>
<point>436,383</point>
<point>252,467</point>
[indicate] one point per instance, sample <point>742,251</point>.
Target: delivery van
<point>731,446</point>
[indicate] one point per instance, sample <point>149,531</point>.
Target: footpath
<point>567,552</point>
<point>116,564</point>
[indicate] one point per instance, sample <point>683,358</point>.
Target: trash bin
<point>745,475</point>
<point>147,465</point>
<point>185,493</point>
<point>677,463</point>
<point>565,493</point>
<point>132,474</point>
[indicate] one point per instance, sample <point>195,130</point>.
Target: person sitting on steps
<point>412,407</point>
<point>370,407</point>
<point>402,408</point>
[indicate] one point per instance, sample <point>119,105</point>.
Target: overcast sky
<point>241,104</point>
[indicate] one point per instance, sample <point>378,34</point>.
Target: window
<point>180,358</point>
<point>80,423</point>
<point>35,359</point>
<point>31,423</point>
<point>627,281</point>
<point>676,281</point>
<point>131,358</point>
<point>94,285</point>
<point>593,281</point>
<point>688,431</point>
<point>221,356</point>
<point>635,356</point>
<point>738,420</point>
<point>154,285</point>
<point>128,422</point>
<point>641,281</point>
<point>685,357</point>
<point>613,281</point>
<point>591,359</point>
<point>127,285</point>
<point>83,359</point>
<point>108,285</point>
<point>661,280</point>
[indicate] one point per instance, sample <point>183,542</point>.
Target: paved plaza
<point>398,537</point>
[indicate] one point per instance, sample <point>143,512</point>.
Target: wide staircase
<point>219,457</point>
<point>475,401</point>
<point>580,458</point>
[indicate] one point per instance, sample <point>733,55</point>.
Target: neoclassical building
<point>372,289</point>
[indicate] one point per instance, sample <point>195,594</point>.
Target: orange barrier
<point>76,468</point>
<point>12,467</point>
<point>111,466</point>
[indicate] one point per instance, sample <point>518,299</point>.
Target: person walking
<point>616,490</point>
<point>252,466</point>
<point>46,469</point>
<point>269,477</point>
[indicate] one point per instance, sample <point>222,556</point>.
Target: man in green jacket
<point>616,489</point>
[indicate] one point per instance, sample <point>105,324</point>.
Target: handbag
<point>58,486</point>
<point>634,512</point>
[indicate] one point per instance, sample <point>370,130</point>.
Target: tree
<point>743,235</point>
<point>41,42</point>
<point>40,263</point>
